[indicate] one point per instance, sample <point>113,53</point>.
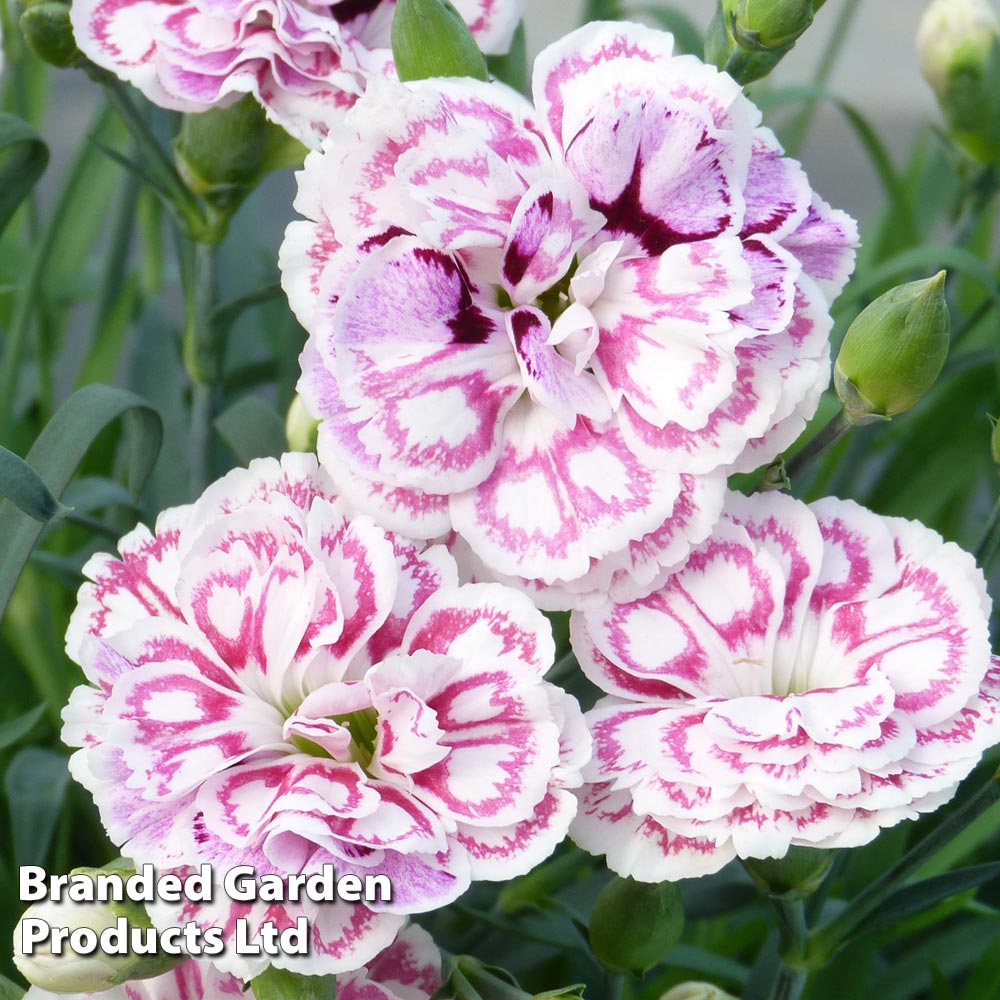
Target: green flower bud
<point>222,153</point>
<point>301,429</point>
<point>429,38</point>
<point>696,991</point>
<point>958,43</point>
<point>995,439</point>
<point>634,924</point>
<point>772,25</point>
<point>48,33</point>
<point>894,350</point>
<point>69,971</point>
<point>748,38</point>
<point>799,873</point>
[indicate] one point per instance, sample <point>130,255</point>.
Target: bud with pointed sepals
<point>696,991</point>
<point>69,972</point>
<point>958,43</point>
<point>748,38</point>
<point>771,25</point>
<point>799,873</point>
<point>894,351</point>
<point>222,153</point>
<point>634,924</point>
<point>429,38</point>
<point>48,33</point>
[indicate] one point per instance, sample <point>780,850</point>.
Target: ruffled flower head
<point>275,684</point>
<point>555,330</point>
<point>305,62</point>
<point>812,675</point>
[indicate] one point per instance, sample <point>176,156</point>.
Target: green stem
<point>792,973</point>
<point>798,130</point>
<point>29,300</point>
<point>824,941</point>
<point>616,986</point>
<point>987,546</point>
<point>978,194</point>
<point>824,439</point>
<point>202,351</point>
<point>191,214</point>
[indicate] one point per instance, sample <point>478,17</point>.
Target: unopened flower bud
<point>300,428</point>
<point>222,153</point>
<point>747,38</point>
<point>995,439</point>
<point>894,351</point>
<point>697,991</point>
<point>772,25</point>
<point>958,43</point>
<point>799,873</point>
<point>48,33</point>
<point>76,967</point>
<point>429,38</point>
<point>634,924</point>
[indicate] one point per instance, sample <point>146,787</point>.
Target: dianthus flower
<point>409,969</point>
<point>278,685</point>
<point>812,675</point>
<point>305,62</point>
<point>556,329</point>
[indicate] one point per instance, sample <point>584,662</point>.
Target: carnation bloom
<point>556,329</point>
<point>409,969</point>
<point>305,62</point>
<point>277,685</point>
<point>813,674</point>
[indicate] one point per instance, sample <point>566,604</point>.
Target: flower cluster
<point>541,336</point>
<point>305,62</point>
<point>275,684</point>
<point>555,329</point>
<point>813,674</point>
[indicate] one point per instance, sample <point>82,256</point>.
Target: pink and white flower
<point>556,329</point>
<point>812,675</point>
<point>409,969</point>
<point>305,62</point>
<point>276,684</point>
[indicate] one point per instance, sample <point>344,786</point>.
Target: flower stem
<point>825,438</point>
<point>202,352</point>
<point>792,973</point>
<point>825,940</point>
<point>986,547</point>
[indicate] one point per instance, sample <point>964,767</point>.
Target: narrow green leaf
<point>59,450</point>
<point>225,315</point>
<point>35,783</point>
<point>252,429</point>
<point>914,898</point>
<point>919,260</point>
<point>23,158</point>
<point>20,484</point>
<point>14,729</point>
<point>283,984</point>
